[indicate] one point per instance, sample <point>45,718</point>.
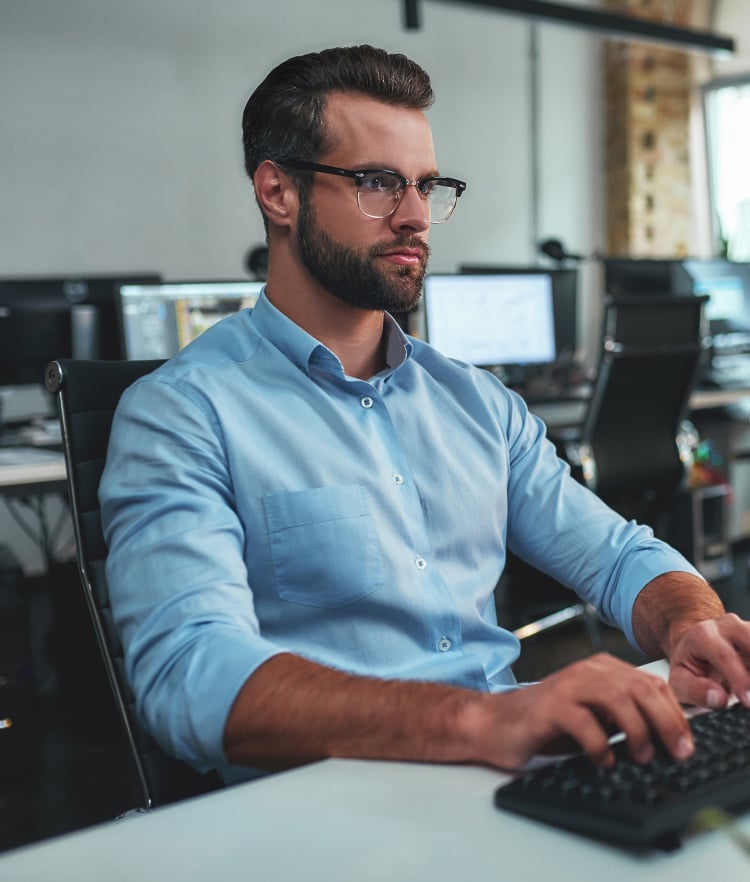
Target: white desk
<point>30,470</point>
<point>356,821</point>
<point>568,413</point>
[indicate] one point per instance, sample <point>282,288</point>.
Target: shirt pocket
<point>323,546</point>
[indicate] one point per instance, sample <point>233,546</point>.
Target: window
<point>727,106</point>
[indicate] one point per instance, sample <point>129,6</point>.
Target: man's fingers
<point>611,694</point>
<point>699,690</point>
<point>587,730</point>
<point>711,661</point>
<point>646,710</point>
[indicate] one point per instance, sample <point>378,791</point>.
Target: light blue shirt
<point>257,500</point>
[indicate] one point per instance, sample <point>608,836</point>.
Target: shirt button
<point>444,644</point>
<point>420,563</point>
<point>398,479</point>
<point>366,401</point>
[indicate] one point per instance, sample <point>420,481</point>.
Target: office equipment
<point>564,284</point>
<point>726,284</point>
<point>625,276</point>
<point>699,527</point>
<point>628,451</point>
<point>50,316</point>
<point>157,320</point>
<point>648,805</point>
<point>87,393</point>
<point>491,320</point>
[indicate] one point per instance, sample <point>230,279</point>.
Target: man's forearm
<point>667,606</point>
<point>292,711</point>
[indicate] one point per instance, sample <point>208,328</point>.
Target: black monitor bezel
<point>25,300</point>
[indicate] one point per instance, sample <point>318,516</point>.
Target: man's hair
<point>283,119</point>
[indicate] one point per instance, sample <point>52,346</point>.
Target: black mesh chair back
<point>649,364</point>
<point>87,393</point>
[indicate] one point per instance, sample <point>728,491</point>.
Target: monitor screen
<point>564,300</point>
<point>727,285</point>
<point>491,319</point>
<point>43,318</point>
<point>158,320</point>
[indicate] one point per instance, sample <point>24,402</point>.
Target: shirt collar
<point>305,351</point>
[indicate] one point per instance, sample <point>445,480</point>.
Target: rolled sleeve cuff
<point>217,673</point>
<point>641,569</point>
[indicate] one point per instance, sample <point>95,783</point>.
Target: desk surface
<point>28,469</point>
<point>356,821</point>
<point>570,412</point>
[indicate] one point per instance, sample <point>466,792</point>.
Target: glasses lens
<point>378,193</point>
<point>442,199</point>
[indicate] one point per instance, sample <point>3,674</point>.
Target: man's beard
<point>353,277</point>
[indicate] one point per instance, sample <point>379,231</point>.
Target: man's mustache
<point>405,242</point>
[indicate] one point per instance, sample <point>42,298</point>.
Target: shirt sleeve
<point>175,568</point>
<point>563,529</point>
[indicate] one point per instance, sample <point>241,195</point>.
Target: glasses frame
<point>358,177</point>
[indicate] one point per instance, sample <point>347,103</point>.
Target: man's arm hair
<point>292,711</point>
<point>668,606</point>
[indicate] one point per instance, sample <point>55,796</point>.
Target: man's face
<point>369,263</point>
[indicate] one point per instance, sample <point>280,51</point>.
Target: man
<point>307,511</point>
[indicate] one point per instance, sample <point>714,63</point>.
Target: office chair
<point>87,393</point>
<point>629,451</point>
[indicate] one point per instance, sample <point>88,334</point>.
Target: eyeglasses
<point>379,190</point>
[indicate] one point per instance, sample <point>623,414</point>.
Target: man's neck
<point>355,336</point>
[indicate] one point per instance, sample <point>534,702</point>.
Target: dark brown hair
<point>283,118</point>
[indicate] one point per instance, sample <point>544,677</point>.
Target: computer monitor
<point>727,284</point>
<point>491,320</point>
<point>156,321</point>
<point>48,317</point>
<point>564,301</point>
<point>625,276</point>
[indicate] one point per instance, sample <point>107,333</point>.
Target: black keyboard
<point>647,806</point>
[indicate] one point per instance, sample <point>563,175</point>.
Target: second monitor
<point>513,317</point>
<point>158,320</point>
<point>491,320</point>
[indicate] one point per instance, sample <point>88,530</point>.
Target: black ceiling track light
<point>607,23</point>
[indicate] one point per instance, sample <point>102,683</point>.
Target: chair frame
<point>161,778</point>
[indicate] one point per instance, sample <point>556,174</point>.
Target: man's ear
<point>276,194</point>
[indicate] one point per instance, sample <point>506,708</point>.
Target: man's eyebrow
<point>382,166</point>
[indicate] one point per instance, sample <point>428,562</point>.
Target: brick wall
<point>648,96</point>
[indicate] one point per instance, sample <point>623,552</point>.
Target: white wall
<point>732,18</point>
<point>121,146</point>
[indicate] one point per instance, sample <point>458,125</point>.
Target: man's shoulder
<point>449,369</point>
<point>209,362</point>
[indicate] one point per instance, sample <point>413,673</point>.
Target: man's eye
<point>380,182</point>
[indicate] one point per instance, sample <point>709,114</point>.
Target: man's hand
<point>709,661</point>
<point>584,704</point>
<point>680,617</point>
